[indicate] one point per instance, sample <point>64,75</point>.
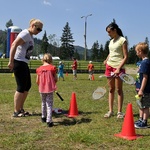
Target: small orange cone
<point>66,73</point>
<point>93,77</point>
<point>73,110</point>
<point>128,130</point>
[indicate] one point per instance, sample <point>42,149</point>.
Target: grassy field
<point>88,131</point>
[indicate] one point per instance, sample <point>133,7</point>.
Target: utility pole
<point>85,28</point>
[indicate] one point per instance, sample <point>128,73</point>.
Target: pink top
<point>46,78</point>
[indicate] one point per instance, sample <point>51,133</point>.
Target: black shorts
<point>22,76</point>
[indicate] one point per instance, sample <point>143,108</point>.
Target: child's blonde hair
<point>47,58</point>
<point>143,47</point>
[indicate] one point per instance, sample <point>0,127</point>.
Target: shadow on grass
<point>68,121</point>
<point>72,121</point>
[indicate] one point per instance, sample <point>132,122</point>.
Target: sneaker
<point>120,115</point>
<point>108,114</point>
<point>43,120</point>
<point>138,121</point>
<point>50,124</point>
<point>141,125</point>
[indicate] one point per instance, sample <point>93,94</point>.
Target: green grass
<point>88,131</point>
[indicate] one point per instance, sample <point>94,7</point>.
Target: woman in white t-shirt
<point>117,57</point>
<point>20,52</point>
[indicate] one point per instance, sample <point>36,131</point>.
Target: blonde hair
<point>47,58</point>
<point>35,22</point>
<point>143,47</point>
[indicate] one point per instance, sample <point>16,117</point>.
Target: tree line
<point>64,47</point>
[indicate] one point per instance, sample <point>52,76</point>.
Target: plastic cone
<point>128,130</point>
<point>66,73</point>
<point>93,77</point>
<point>73,110</point>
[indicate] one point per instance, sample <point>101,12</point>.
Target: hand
<point>117,71</point>
<point>10,65</point>
<point>140,93</point>
<point>104,62</point>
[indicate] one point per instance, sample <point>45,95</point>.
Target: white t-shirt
<point>115,52</point>
<point>23,52</point>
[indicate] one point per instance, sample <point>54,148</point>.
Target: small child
<point>46,80</point>
<point>143,86</point>
<point>61,71</point>
<point>74,68</point>
<point>90,70</point>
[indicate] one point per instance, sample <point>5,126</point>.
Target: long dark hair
<point>113,26</point>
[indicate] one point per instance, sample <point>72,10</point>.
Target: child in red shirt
<point>46,80</point>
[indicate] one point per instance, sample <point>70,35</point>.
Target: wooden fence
<point>33,64</point>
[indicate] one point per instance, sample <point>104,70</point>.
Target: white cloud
<point>68,9</point>
<point>45,2</point>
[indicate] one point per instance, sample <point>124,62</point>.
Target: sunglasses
<point>38,29</point>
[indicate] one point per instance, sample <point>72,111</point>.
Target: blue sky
<point>132,16</point>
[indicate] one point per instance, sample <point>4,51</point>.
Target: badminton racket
<point>127,78</point>
<point>124,77</point>
<point>100,91</point>
<point>59,95</point>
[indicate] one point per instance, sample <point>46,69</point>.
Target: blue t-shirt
<point>61,68</point>
<point>144,68</point>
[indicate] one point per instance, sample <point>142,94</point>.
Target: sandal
<point>108,114</point>
<point>25,112</point>
<point>120,115</point>
<point>18,114</point>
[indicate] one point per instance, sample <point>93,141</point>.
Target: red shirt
<point>74,66</point>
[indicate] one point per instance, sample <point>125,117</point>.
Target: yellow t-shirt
<point>115,52</point>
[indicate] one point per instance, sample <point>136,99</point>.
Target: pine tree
<point>67,47</point>
<point>106,49</point>
<point>95,51</point>
<point>44,45</point>
<point>101,53</point>
<point>9,23</point>
<point>147,42</point>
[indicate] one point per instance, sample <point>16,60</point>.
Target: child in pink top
<point>46,80</point>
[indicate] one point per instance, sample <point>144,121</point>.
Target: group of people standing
<point>22,48</point>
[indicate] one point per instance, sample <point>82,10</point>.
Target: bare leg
<point>111,82</point>
<point>23,99</point>
<point>145,113</point>
<point>120,93</point>
<point>19,99</point>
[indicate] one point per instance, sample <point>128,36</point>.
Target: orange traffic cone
<point>66,73</point>
<point>73,110</point>
<point>93,77</point>
<point>128,130</point>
